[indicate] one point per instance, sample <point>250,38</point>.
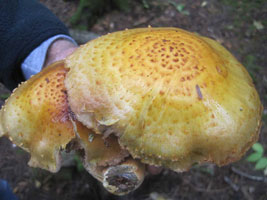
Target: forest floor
<point>240,26</point>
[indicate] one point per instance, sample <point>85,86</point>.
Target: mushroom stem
<point>108,162</point>
<point>122,178</point>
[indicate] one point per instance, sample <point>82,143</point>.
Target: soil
<point>238,25</point>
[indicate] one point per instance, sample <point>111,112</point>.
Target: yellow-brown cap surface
<point>173,98</point>
<point>1,125</point>
<point>36,117</point>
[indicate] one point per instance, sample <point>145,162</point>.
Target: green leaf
<point>4,96</point>
<point>185,12</point>
<point>145,4</point>
<point>261,164</point>
<point>258,25</point>
<point>79,164</point>
<point>204,3</point>
<point>122,4</point>
<point>254,157</point>
<point>180,7</point>
<point>250,61</point>
<point>258,148</point>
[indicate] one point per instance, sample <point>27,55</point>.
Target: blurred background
<point>239,25</point>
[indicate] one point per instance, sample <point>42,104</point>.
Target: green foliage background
<point>89,10</point>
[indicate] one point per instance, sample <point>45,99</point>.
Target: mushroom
<point>173,98</point>
<point>37,118</point>
<point>162,96</point>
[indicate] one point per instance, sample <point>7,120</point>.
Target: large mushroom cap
<point>174,98</point>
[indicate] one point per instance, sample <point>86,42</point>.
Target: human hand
<point>153,170</point>
<point>58,50</point>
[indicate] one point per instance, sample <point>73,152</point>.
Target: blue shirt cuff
<point>34,62</point>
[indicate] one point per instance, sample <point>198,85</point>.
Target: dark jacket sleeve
<point>24,25</point>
